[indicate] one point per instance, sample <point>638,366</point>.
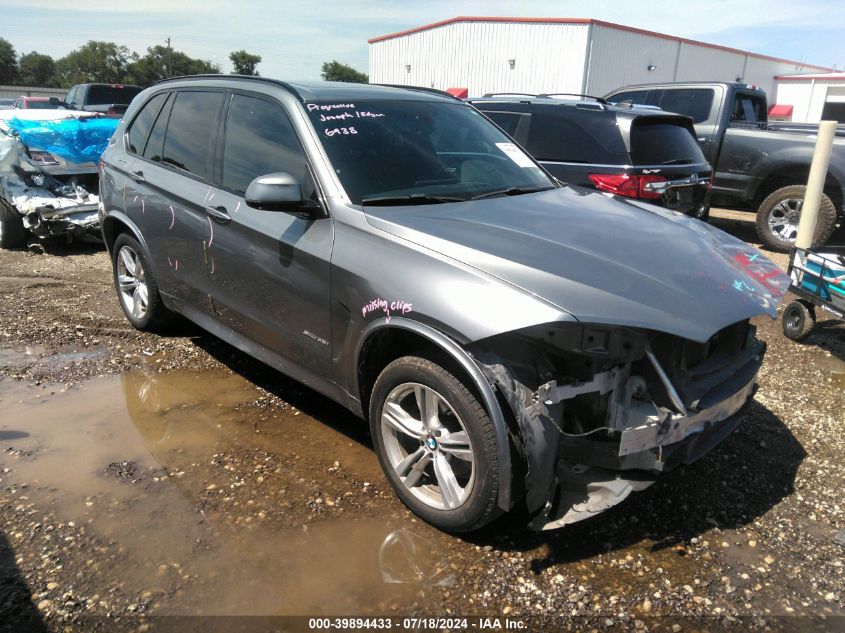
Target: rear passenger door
<point>171,182</point>
<point>270,270</point>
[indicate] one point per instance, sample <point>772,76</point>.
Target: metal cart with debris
<point>818,278</point>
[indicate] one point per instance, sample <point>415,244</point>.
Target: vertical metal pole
<point>815,185</point>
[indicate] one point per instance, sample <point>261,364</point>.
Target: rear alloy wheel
<point>799,319</point>
<point>136,286</point>
<point>12,231</point>
<point>779,214</point>
<point>436,444</point>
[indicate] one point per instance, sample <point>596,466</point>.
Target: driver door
<point>270,270</point>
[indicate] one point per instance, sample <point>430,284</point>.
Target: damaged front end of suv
<point>49,174</point>
<point>603,410</point>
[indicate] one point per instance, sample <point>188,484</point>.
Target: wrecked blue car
<point>48,173</point>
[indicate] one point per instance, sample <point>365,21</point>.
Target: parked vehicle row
<point>754,167</point>
<point>508,338</point>
<point>632,152</point>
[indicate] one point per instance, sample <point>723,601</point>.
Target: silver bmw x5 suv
<point>506,337</point>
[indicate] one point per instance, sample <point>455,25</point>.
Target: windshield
<point>420,150</point>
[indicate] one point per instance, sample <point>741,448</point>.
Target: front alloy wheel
<point>427,446</point>
<point>436,444</point>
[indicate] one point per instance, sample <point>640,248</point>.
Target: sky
<point>295,38</point>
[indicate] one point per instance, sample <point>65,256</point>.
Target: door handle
<point>703,139</point>
<point>219,213</point>
<point>137,176</point>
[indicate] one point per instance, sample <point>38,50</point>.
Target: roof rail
<point>435,91</point>
<point>276,82</point>
<point>509,94</point>
<point>572,94</point>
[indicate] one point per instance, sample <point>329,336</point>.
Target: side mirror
<point>280,192</point>
<point>55,101</point>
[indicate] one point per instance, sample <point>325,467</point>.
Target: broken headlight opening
<point>42,158</point>
<point>601,411</point>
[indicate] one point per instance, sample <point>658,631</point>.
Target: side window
<point>143,123</point>
<point>19,103</point>
<point>571,135</point>
<point>191,131</point>
<point>695,103</point>
<point>155,144</point>
<point>260,140</point>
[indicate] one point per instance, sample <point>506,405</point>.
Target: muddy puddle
<point>194,498</point>
<point>29,355</point>
<point>836,367</point>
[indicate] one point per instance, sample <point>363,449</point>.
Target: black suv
<point>506,336</point>
<point>635,152</point>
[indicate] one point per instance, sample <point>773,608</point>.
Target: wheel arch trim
<point>462,357</point>
<point>122,218</point>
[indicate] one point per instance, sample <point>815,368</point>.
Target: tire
<point>137,290</point>
<point>404,444</point>
<point>12,231</point>
<point>778,216</point>
<point>798,320</point>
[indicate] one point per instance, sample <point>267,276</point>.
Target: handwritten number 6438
<point>340,130</point>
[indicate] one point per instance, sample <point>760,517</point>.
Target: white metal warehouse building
<point>809,98</point>
<point>558,55</point>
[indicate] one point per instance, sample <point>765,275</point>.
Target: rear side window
<point>155,144</point>
<point>189,142</point>
<point>661,142</point>
<point>574,135</point>
<point>260,140</point>
<point>695,103</point>
<point>508,121</point>
<point>748,108</point>
<point>143,123</point>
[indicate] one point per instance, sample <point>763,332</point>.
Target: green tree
<point>244,63</point>
<point>100,62</point>
<point>8,62</point>
<point>160,62</point>
<point>335,71</point>
<point>35,69</point>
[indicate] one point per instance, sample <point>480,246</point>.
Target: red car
<point>36,103</point>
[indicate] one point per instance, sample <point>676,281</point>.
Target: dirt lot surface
<point>144,476</point>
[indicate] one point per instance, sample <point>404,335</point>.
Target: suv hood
<point>603,260</point>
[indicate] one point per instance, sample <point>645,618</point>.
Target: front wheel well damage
<point>387,344</point>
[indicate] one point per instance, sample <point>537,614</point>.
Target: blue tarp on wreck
<point>75,140</point>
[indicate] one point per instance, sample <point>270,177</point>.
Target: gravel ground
<point>144,476</point>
